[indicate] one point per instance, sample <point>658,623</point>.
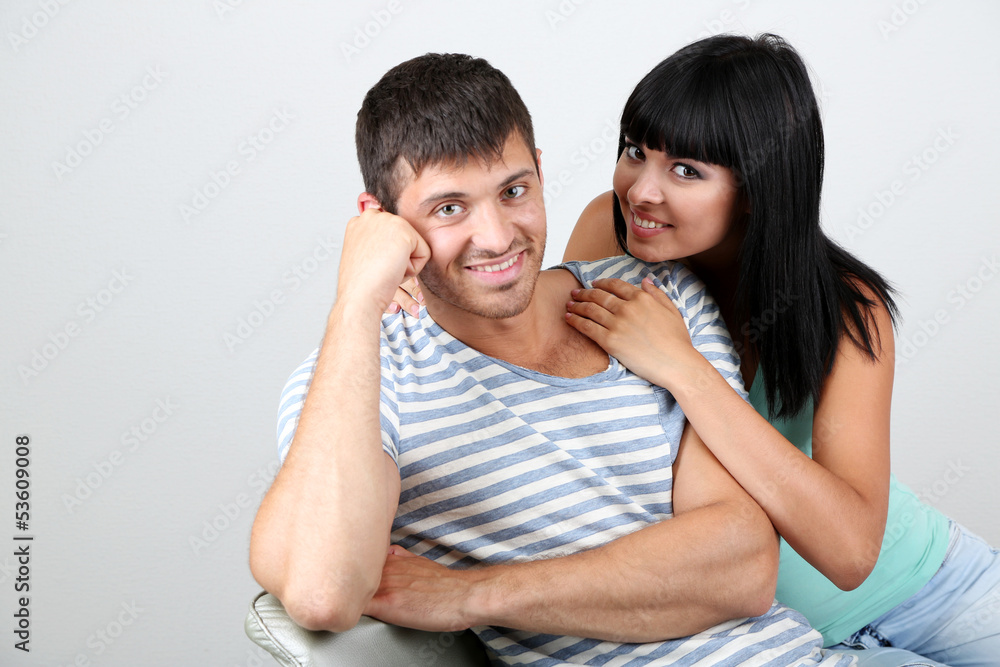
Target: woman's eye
<point>514,192</point>
<point>684,171</point>
<point>633,152</point>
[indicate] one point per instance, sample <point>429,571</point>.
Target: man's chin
<point>480,298</point>
<point>503,305</point>
<point>500,302</point>
<point>505,312</point>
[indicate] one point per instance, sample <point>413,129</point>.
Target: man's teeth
<point>497,267</point>
<point>645,224</point>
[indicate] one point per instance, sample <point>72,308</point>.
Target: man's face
<point>485,225</point>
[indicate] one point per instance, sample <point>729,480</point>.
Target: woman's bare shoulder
<point>594,235</point>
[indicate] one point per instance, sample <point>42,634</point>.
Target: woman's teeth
<point>645,224</point>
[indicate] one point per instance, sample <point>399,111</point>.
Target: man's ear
<point>366,200</point>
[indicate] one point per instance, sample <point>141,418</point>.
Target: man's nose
<point>493,230</point>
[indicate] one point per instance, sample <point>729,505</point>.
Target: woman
<point>720,165</point>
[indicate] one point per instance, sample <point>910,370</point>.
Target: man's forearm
<point>651,585</point>
<point>671,579</point>
<point>321,534</point>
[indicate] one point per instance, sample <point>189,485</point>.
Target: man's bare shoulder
<point>557,281</point>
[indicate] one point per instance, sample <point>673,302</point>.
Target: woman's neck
<point>721,277</point>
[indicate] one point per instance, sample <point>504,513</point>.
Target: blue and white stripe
<point>503,464</point>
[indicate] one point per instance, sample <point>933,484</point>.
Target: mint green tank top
<point>913,548</point>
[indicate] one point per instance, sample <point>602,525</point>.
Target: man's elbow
<point>314,610</point>
<point>335,604</point>
<point>316,606</point>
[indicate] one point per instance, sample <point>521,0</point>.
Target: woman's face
<point>677,208</point>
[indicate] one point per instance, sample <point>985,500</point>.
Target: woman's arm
<point>832,508</point>
<point>594,234</point>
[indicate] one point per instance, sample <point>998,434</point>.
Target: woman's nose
<point>647,189</point>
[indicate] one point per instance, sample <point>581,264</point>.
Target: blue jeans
<point>953,621</point>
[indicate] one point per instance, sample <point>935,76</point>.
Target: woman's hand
<point>640,327</point>
<point>408,297</point>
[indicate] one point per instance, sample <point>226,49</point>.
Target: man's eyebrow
<point>441,196</point>
<point>516,177</point>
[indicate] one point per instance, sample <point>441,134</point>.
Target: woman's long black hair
<point>747,104</point>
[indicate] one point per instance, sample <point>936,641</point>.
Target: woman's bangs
<point>685,121</point>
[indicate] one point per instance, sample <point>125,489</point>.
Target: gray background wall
<point>162,275</point>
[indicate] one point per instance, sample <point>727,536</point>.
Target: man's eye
<point>449,210</point>
<point>514,191</point>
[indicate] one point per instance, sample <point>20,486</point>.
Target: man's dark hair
<point>434,109</point>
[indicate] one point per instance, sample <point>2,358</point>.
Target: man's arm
<point>716,560</point>
<point>321,535</point>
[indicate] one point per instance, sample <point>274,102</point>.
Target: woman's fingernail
<point>574,292</point>
<point>415,310</point>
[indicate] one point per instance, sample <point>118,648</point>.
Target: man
<point>525,478</point>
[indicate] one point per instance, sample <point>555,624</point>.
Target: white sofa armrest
<point>370,643</point>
